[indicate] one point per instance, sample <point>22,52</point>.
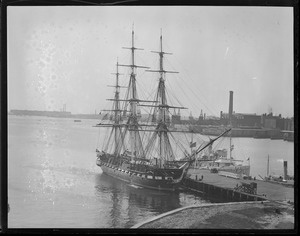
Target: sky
<point>66,55</point>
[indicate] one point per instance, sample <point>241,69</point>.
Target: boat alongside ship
<point>142,153</point>
<point>219,162</point>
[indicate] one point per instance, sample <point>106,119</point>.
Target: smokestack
<point>230,104</point>
<point>285,170</point>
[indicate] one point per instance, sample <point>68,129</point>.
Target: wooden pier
<point>215,185</point>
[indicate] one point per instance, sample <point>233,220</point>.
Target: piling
<point>230,104</point>
<point>285,170</point>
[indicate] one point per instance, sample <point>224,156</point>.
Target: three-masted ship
<point>141,153</point>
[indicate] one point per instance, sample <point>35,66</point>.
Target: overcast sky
<point>65,55</point>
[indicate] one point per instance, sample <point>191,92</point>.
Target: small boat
<point>225,165</point>
<point>77,120</point>
<point>231,166</point>
<point>284,179</point>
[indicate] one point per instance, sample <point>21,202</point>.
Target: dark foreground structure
<point>237,215</point>
<point>266,206</point>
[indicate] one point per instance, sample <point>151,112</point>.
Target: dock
<point>271,206</point>
<point>225,187</point>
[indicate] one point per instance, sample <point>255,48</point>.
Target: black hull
<point>142,179</point>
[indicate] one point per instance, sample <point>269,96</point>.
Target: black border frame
<point>3,107</point>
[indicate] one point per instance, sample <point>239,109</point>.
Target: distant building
<point>202,120</point>
<point>241,120</point>
<point>175,119</point>
<point>280,122</point>
<point>40,113</point>
<point>288,124</point>
<point>276,122</point>
<point>269,121</point>
<point>238,120</point>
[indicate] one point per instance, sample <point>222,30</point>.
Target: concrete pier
<point>214,184</point>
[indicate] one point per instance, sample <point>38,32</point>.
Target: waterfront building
<point>288,124</point>
<point>241,120</point>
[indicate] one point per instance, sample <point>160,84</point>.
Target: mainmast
<point>162,110</point>
<point>132,97</point>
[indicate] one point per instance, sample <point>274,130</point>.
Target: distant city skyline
<point>65,55</point>
<point>185,116</point>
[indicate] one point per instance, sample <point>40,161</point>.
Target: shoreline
<point>233,215</point>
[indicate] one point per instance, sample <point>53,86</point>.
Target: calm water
<point>53,181</point>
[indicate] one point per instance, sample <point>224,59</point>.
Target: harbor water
<point>53,180</point>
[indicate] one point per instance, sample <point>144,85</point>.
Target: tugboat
<point>140,153</point>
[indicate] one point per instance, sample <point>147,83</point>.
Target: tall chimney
<point>230,105</point>
<point>285,170</point>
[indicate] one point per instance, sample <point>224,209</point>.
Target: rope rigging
<point>130,133</point>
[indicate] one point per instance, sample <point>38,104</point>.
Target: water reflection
<point>155,201</point>
<point>129,204</point>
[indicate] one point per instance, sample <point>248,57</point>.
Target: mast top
<point>161,52</point>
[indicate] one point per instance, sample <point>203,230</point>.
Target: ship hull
<point>142,179</point>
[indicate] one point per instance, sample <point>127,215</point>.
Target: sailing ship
<point>140,153</point>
